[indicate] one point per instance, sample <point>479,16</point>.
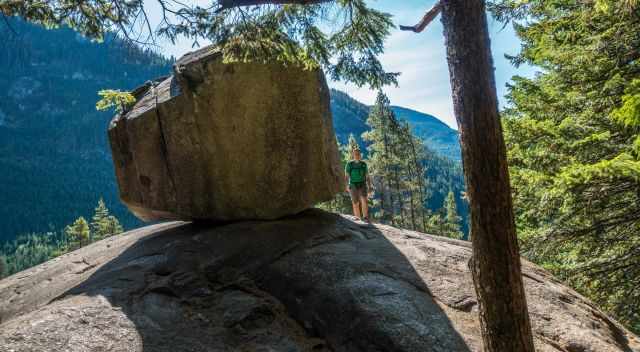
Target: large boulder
<point>310,282</point>
<point>227,142</point>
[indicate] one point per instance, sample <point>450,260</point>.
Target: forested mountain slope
<point>350,116</point>
<point>54,153</point>
<point>53,144</point>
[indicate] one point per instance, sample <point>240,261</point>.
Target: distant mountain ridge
<point>350,116</point>
<point>54,153</point>
<point>437,135</point>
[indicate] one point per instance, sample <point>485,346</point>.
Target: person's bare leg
<point>365,207</point>
<point>356,209</point>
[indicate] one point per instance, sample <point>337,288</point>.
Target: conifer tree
<point>100,221</point>
<point>436,223</point>
<point>78,233</point>
<point>103,224</point>
<point>114,227</point>
<point>379,157</point>
<point>353,144</point>
<point>396,160</point>
<point>453,220</point>
<point>573,137</point>
<point>294,32</point>
<point>3,266</point>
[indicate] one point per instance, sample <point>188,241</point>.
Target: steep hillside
<point>350,116</point>
<point>53,145</point>
<point>311,282</point>
<point>436,134</point>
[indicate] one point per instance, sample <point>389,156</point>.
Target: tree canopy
<point>573,135</point>
<point>344,37</point>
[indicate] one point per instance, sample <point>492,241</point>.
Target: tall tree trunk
<point>387,171</point>
<point>420,178</point>
<point>412,210</point>
<point>400,195</point>
<point>383,211</point>
<point>496,261</point>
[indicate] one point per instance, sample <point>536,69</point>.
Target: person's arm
<point>346,176</point>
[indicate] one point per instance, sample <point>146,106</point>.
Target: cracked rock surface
<point>227,142</point>
<point>310,282</point>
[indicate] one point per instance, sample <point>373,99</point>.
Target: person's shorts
<point>358,191</point>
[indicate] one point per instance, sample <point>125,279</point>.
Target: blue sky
<point>424,83</point>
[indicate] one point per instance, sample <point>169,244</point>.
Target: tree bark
<point>496,260</point>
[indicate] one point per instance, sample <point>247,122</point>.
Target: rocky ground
<point>310,282</point>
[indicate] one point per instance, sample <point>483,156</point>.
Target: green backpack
<point>357,171</point>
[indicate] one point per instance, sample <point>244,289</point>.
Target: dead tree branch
<point>428,18</point>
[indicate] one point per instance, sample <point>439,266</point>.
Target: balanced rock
<point>227,142</point>
<point>310,282</point>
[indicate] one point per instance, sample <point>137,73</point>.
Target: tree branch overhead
<point>428,18</point>
<point>228,4</point>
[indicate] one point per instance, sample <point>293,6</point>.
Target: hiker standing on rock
<point>358,180</point>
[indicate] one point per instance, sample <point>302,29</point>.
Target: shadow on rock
<point>315,281</point>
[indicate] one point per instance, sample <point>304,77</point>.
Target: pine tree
<point>353,144</point>
<point>452,219</point>
<point>436,224</point>
<point>78,233</point>
<point>380,160</point>
<point>27,251</point>
<point>573,135</point>
<point>114,227</point>
<point>103,224</point>
<point>3,267</point>
<point>100,221</point>
<point>396,160</point>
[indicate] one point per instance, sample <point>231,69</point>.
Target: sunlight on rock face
<point>227,142</point>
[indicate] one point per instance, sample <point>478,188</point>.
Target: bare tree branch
<point>428,18</point>
<point>227,4</point>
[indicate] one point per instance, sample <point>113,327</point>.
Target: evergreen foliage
<point>32,249</point>
<point>54,151</point>
<point>115,99</point>
<point>452,220</point>
<point>293,33</point>
<point>410,181</point>
<point>572,133</point>
<point>350,117</point>
<point>3,267</point>
<point>397,164</point>
<point>29,250</point>
<point>77,234</point>
<point>103,224</point>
